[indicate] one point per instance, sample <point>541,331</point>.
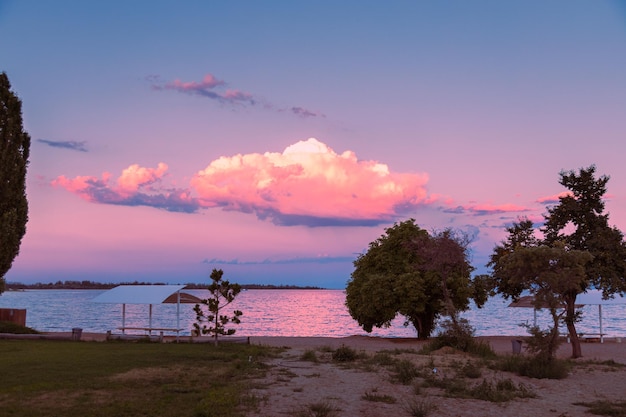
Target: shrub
<point>502,391</point>
<point>419,407</point>
<point>470,370</point>
<point>405,371</point>
<point>309,356</point>
<point>345,354</point>
<point>459,335</point>
<point>605,407</point>
<point>543,343</point>
<point>372,396</point>
<point>534,367</point>
<point>319,409</point>
<point>10,327</point>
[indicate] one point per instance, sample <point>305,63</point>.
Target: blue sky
<point>173,137</point>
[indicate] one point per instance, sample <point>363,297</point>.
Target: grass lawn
<point>62,378</point>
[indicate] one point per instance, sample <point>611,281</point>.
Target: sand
<point>293,385</point>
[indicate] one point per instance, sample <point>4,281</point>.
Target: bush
<point>9,327</point>
<point>470,370</point>
<point>543,344</point>
<point>309,356</point>
<point>502,391</point>
<point>534,367</point>
<point>419,408</point>
<point>605,407</point>
<point>405,371</point>
<point>460,336</point>
<point>345,354</point>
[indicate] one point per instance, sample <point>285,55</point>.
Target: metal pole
<point>177,314</point>
<point>123,318</point>
<point>600,314</point>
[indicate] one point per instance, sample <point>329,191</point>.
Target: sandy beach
<point>294,384</point>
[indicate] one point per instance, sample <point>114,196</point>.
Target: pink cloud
<point>208,82</point>
<point>304,113</point>
<point>135,187</point>
<point>553,199</point>
<point>134,177</point>
<point>212,88</point>
<point>308,183</point>
<point>486,209</point>
<point>209,87</point>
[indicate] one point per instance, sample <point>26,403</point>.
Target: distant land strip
<point>90,285</point>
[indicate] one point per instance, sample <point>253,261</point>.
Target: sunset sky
<point>276,139</point>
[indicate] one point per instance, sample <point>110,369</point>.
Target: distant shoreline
<point>90,285</point>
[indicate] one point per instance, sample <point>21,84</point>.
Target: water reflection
<point>272,313</point>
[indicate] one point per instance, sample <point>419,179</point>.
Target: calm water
<point>272,313</point>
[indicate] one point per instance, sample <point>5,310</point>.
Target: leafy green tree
<point>409,272</point>
<point>578,251</point>
<point>222,294</point>
<point>14,153</point>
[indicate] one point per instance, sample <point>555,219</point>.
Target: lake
<point>273,313</point>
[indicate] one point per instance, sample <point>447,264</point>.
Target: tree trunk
<point>571,327</point>
<point>216,318</point>
<point>424,325</point>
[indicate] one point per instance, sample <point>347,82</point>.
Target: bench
<point>589,337</point>
<point>149,330</point>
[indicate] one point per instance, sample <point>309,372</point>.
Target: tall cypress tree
<point>14,152</point>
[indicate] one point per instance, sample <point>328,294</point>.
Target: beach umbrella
<point>591,297</point>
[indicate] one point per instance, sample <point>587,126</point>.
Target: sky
<point>275,140</point>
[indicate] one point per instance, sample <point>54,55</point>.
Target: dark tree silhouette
<point>14,152</point>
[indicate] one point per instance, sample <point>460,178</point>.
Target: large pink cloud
<point>308,183</point>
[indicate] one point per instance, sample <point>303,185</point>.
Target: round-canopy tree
<point>409,272</point>
<point>14,152</point>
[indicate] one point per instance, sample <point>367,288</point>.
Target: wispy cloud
<point>67,144</point>
<point>307,184</point>
<point>268,261</point>
<point>485,209</point>
<point>215,89</point>
<point>304,113</point>
<point>553,199</point>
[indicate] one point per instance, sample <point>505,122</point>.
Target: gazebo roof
<point>591,297</point>
<point>138,294</point>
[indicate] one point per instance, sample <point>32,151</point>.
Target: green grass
<point>52,378</point>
